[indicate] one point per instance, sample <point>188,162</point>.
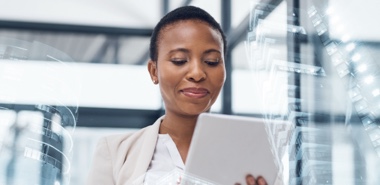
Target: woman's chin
<point>196,111</point>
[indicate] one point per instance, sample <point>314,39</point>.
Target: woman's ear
<point>152,68</point>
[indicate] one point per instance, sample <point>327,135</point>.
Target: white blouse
<point>166,164</point>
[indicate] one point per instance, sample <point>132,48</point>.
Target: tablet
<point>225,148</point>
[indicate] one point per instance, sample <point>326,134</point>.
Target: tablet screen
<point>225,149</point>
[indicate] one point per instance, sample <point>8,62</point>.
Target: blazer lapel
<point>145,152</point>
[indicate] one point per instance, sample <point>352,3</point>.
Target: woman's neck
<point>178,127</point>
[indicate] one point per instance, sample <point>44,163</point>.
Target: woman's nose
<point>196,72</point>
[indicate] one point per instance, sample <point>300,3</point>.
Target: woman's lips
<point>195,92</point>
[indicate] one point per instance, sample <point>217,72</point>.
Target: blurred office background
<point>74,71</point>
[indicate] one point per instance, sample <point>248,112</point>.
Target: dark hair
<point>181,14</point>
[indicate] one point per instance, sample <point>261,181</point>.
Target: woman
<point>187,51</point>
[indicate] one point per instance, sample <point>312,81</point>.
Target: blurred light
<point>329,10</point>
<point>368,79</point>
<point>312,11</point>
<point>370,127</point>
<point>376,143</point>
<point>374,134</point>
<point>334,19</point>
<point>356,57</point>
<point>360,105</point>
<point>366,121</point>
<point>337,58</point>
<point>350,47</point>
<point>57,183</point>
<point>331,48</point>
<point>340,28</point>
<point>376,92</point>
<point>362,68</point>
<point>321,29</point>
<point>342,69</point>
<point>317,20</point>
<point>345,38</point>
<point>354,92</point>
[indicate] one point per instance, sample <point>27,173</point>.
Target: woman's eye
<point>212,63</point>
<point>178,62</point>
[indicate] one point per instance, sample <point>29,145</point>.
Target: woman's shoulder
<point>126,137</point>
<point>114,152</point>
<point>126,140</point>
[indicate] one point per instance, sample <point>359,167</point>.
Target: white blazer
<point>124,159</point>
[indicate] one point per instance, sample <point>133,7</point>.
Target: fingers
<point>250,180</point>
<point>261,181</point>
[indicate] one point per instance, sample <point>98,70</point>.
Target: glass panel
<point>326,80</point>
<point>87,85</point>
<point>85,140</point>
<point>83,47</point>
<point>41,109</point>
<point>311,64</point>
<point>114,13</point>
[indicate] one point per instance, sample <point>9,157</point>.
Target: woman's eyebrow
<point>211,51</point>
<point>179,50</point>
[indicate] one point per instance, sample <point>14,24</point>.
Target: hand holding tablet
<point>251,180</point>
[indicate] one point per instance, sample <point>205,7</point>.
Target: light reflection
<point>376,92</point>
<point>356,57</point>
<point>334,19</point>
<point>350,47</point>
<point>369,79</point>
<point>330,10</point>
<point>346,38</point>
<point>340,28</point>
<point>312,11</point>
<point>362,68</point>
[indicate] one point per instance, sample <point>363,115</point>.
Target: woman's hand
<point>250,180</point>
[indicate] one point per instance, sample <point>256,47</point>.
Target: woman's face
<point>190,67</point>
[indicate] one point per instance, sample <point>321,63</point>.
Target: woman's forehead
<point>180,28</point>
<point>180,24</point>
